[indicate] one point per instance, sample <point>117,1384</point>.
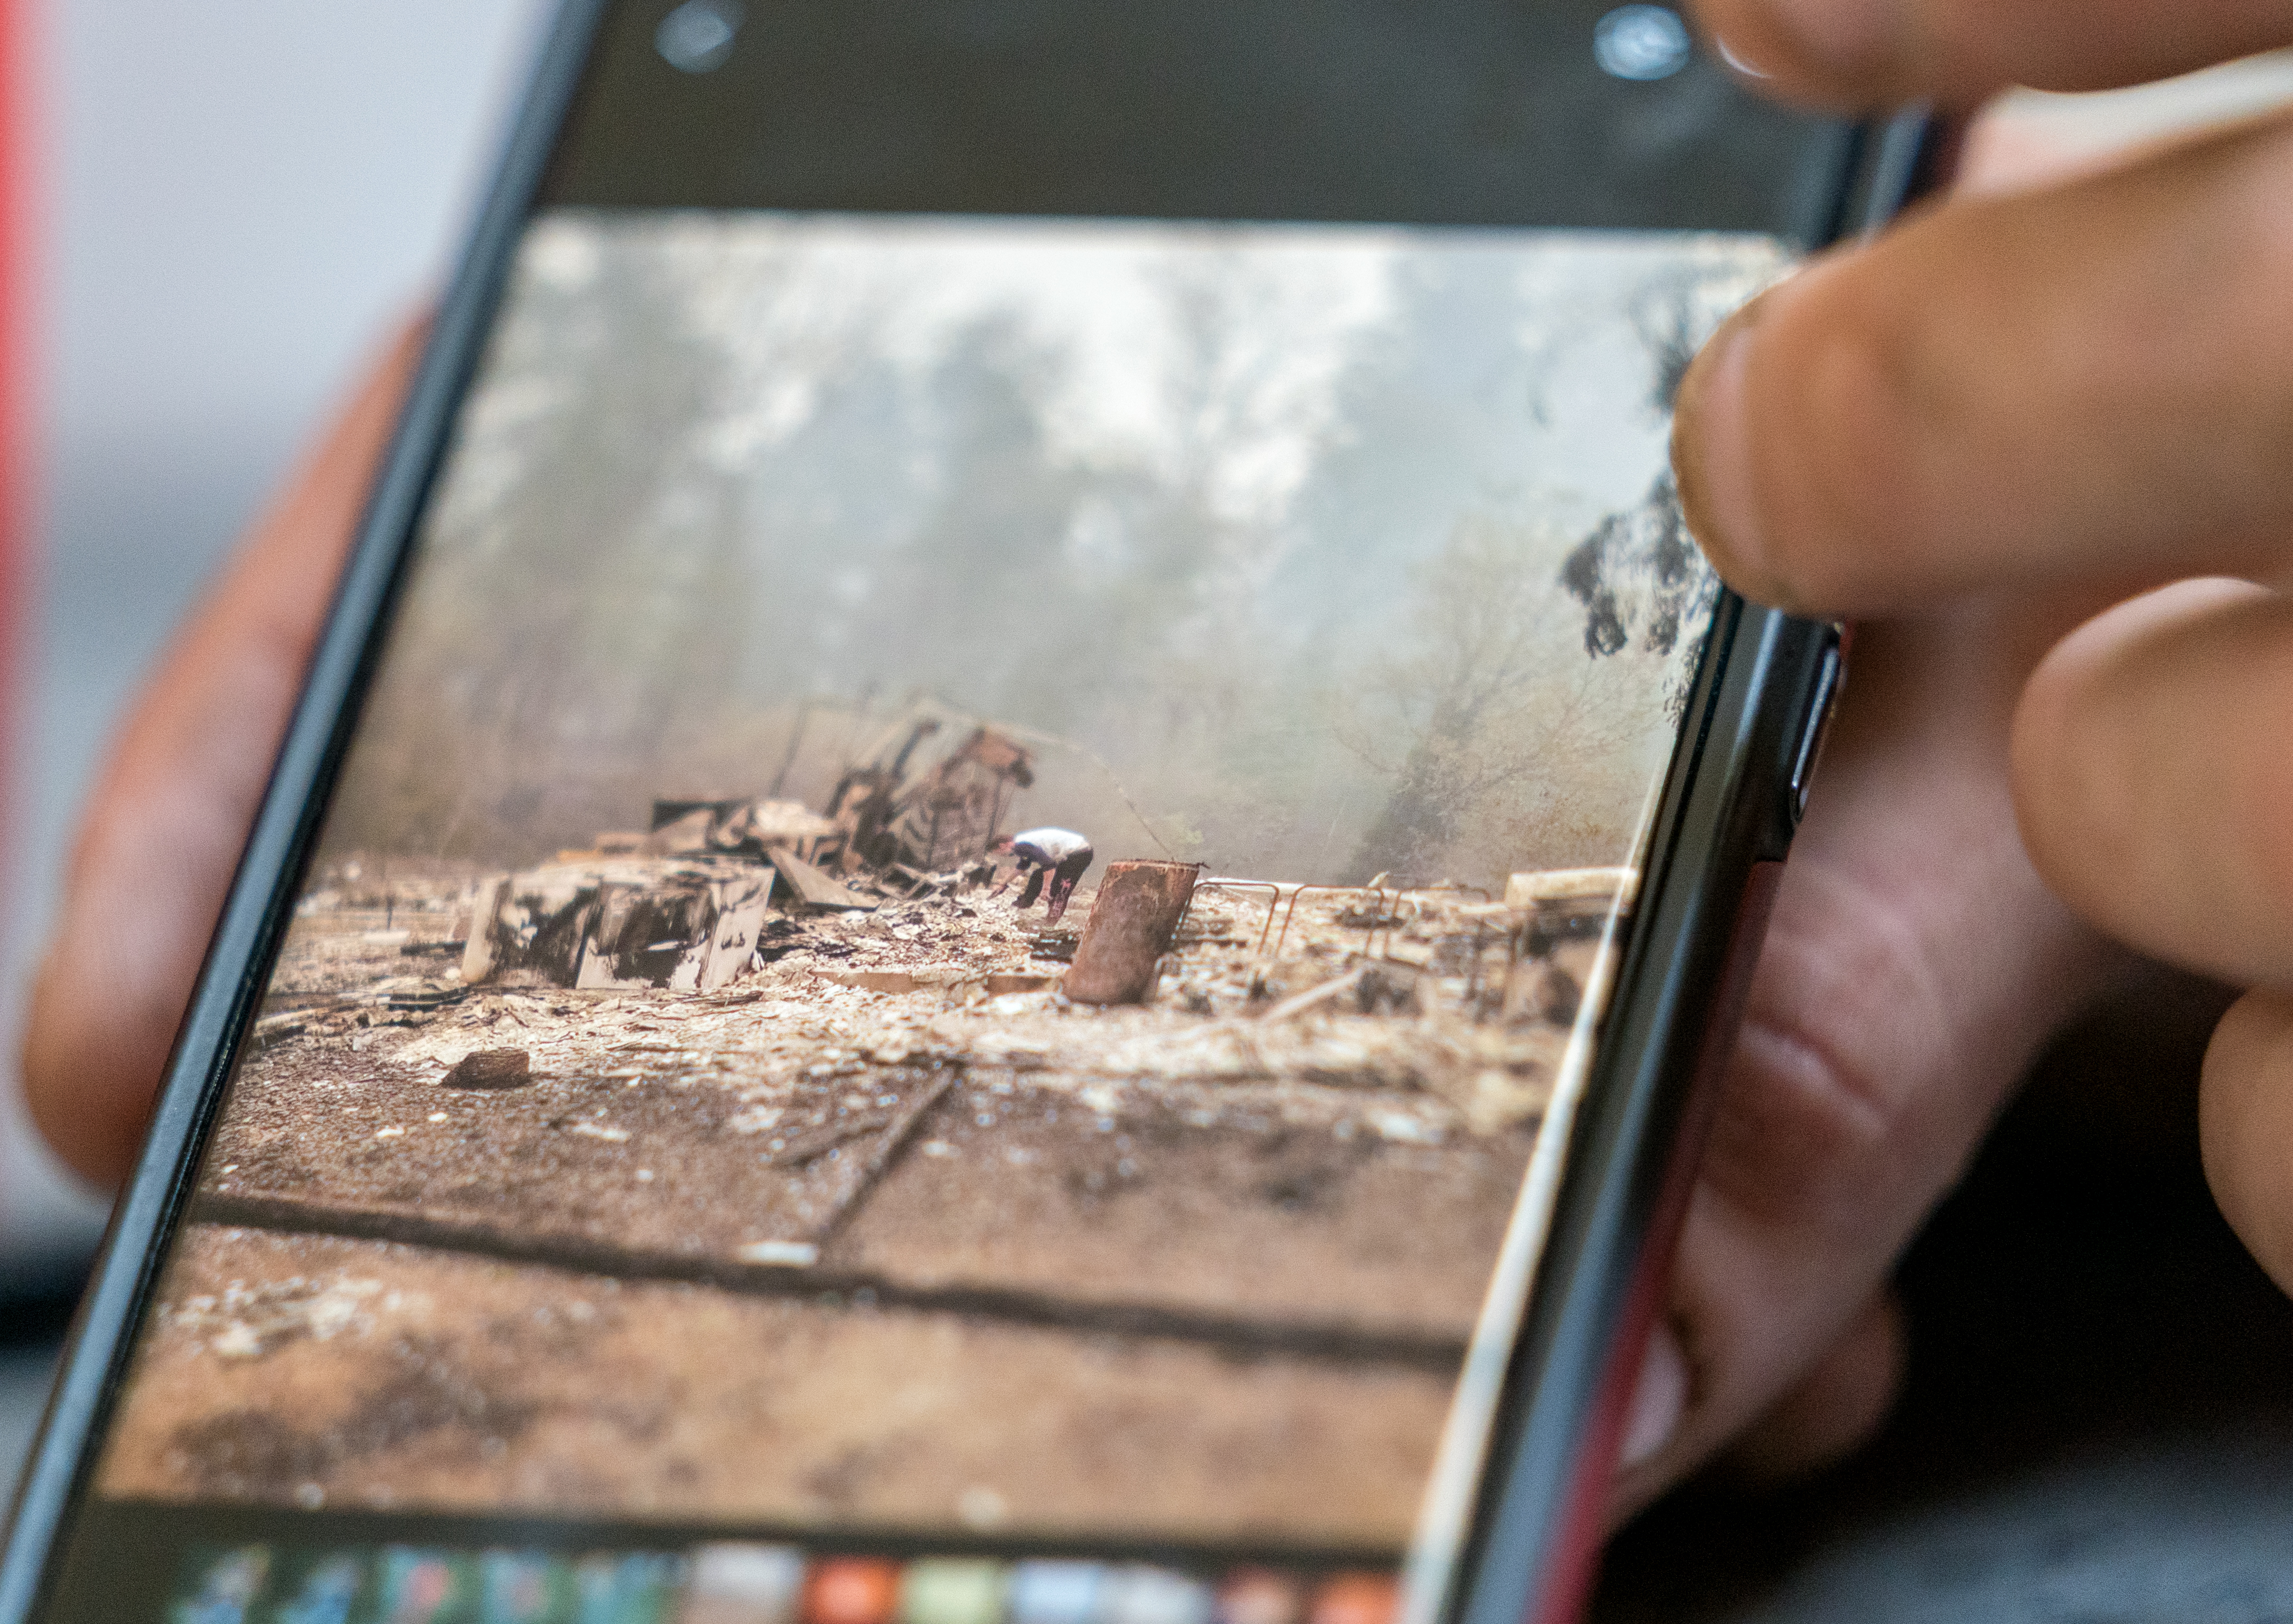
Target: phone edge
<point>260,901</point>
<point>1633,1147</point>
<point>1530,1552</point>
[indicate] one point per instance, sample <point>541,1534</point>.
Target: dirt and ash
<point>844,1239</point>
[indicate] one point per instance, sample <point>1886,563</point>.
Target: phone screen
<point>947,978</point>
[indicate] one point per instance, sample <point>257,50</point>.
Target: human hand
<point>1997,437</point>
<point>169,815</point>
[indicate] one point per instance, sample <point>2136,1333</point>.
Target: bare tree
<point>1641,580</point>
<point>1489,697</point>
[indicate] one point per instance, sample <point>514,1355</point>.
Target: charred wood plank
<point>812,887</point>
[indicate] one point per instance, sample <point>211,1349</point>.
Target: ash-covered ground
<point>883,1232</point>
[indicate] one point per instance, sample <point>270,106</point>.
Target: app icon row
<point>743,1583</point>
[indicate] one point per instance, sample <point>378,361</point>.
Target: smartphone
<point>1010,887</point>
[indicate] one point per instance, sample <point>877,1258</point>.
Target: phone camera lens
<point>697,36</point>
<point>1642,42</point>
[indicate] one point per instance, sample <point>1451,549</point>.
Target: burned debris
<point>716,890</point>
<point>1133,923</point>
<point>686,923</point>
<point>489,1069</point>
<point>881,819</point>
<point>900,886</point>
<point>684,905</point>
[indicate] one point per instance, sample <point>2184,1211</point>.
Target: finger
<point>1837,1407</point>
<point>2015,146</point>
<point>2152,780</point>
<point>164,828</point>
<point>2090,381</point>
<point>1913,966</point>
<point>1874,53</point>
<point>2245,1126</point>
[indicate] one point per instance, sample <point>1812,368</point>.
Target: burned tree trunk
<point>1130,926</point>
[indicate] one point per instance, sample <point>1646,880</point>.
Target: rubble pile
<point>1459,1002</point>
<point>891,891</point>
<point>684,905</point>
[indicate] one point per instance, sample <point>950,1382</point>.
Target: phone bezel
<point>1628,1146</point>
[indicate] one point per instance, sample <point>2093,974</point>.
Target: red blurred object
<point>851,1591</point>
<point>19,128</point>
<point>1357,1598</point>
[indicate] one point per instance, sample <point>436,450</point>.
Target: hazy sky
<point>1553,378</point>
<point>1200,497</point>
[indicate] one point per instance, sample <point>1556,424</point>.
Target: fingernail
<point>1711,452</point>
<point>1738,61</point>
<point>1659,1399</point>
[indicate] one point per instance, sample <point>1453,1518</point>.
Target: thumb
<point>1914,966</point>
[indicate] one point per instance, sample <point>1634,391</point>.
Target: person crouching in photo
<point>1060,854</point>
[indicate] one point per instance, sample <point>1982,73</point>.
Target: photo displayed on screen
<point>977,850</point>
